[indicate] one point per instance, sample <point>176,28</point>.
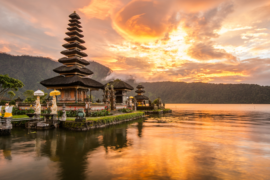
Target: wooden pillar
<point>90,95</point>
<point>76,95</point>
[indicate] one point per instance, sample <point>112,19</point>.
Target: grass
<point>165,110</point>
<point>158,110</point>
<point>19,116</point>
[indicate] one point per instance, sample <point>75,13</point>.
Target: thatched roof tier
<point>141,97</point>
<point>18,99</point>
<point>74,29</point>
<point>71,81</point>
<point>139,86</point>
<point>73,51</point>
<point>120,85</point>
<point>74,24</point>
<point>73,59</point>
<point>74,38</point>
<point>140,91</point>
<point>74,21</point>
<point>74,16</point>
<point>73,69</point>
<point>73,45</point>
<point>74,33</point>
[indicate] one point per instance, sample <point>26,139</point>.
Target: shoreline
<point>100,122</point>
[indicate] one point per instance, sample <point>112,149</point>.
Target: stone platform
<point>100,122</point>
<point>50,122</point>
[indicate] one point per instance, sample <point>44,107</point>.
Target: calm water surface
<point>195,142</point>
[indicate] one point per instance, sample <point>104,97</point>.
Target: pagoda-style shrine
<point>140,97</point>
<point>121,88</point>
<point>74,81</point>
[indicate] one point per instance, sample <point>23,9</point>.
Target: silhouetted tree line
<point>181,92</point>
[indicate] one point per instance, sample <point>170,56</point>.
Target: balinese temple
<point>74,78</point>
<point>140,97</point>
<point>121,88</point>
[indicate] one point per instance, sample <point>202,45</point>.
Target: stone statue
<point>38,106</point>
<point>64,116</point>
<point>107,97</point>
<point>54,106</point>
<point>80,116</point>
<point>113,101</point>
<point>135,104</point>
<point>8,111</point>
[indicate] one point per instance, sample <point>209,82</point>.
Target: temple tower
<point>74,81</point>
<point>140,97</point>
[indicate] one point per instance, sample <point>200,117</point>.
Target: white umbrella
<point>39,93</point>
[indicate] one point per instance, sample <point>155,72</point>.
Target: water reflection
<point>190,144</point>
<point>68,149</point>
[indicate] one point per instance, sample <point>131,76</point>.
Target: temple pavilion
<point>121,88</point>
<point>140,97</point>
<point>74,78</point>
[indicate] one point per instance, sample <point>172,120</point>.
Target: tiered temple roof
<point>73,73</point>
<point>120,85</point>
<point>140,97</point>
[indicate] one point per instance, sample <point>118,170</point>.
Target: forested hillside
<point>31,70</point>
<point>180,92</point>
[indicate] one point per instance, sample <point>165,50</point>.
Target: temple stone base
<point>41,125</point>
<point>88,125</point>
<point>50,122</point>
<point>78,119</point>
<point>5,126</point>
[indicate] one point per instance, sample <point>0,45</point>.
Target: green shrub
<point>19,111</point>
<point>125,110</point>
<point>121,117</point>
<point>166,110</point>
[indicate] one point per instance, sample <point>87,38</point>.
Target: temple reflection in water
<point>69,149</point>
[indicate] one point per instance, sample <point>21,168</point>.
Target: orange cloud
<point>5,49</point>
<point>152,40</point>
<point>144,20</point>
<point>198,5</point>
<point>101,9</point>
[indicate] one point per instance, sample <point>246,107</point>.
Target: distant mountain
<point>181,92</point>
<point>31,70</point>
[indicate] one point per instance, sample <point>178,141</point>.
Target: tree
<point>7,83</point>
<point>11,94</point>
<point>42,98</point>
<point>29,94</point>
<point>92,98</point>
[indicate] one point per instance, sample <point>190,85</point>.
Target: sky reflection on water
<point>214,142</point>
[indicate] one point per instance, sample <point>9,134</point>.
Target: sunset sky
<point>217,41</point>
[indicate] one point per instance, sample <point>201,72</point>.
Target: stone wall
<point>72,106</point>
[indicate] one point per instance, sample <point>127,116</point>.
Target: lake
<point>196,141</point>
